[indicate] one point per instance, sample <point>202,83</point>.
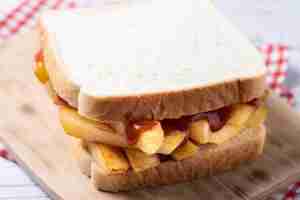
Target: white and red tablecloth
<point>18,16</point>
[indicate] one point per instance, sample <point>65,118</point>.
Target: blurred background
<point>270,21</point>
<point>272,25</point>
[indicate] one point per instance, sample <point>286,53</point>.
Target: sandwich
<point>152,94</point>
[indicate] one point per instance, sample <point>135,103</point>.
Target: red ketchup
<point>57,100</point>
<point>180,124</point>
<point>256,102</point>
<point>216,119</point>
<point>136,128</point>
<point>38,57</point>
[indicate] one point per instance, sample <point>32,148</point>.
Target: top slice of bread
<point>149,59</point>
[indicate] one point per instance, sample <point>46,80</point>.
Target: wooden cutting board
<point>30,128</point>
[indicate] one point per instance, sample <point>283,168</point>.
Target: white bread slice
<point>149,59</point>
<point>210,160</point>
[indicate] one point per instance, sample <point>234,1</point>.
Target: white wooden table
<point>261,20</point>
<point>16,185</point>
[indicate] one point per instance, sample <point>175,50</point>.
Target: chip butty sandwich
<point>153,92</point>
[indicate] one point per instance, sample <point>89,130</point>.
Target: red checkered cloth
<point>292,193</point>
<point>23,16</point>
<point>276,61</point>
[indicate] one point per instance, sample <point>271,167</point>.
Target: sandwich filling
<point>121,146</point>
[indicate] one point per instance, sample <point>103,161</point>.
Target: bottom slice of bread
<point>210,160</point>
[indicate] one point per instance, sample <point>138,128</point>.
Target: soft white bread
<point>149,60</point>
<point>210,160</point>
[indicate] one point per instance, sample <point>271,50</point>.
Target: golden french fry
<point>110,159</point>
<point>172,140</point>
<point>186,150</point>
<point>224,134</point>
<point>240,114</point>
<point>140,161</point>
<point>41,72</point>
<point>87,129</point>
<point>150,140</point>
<point>258,117</point>
<point>200,131</point>
<point>52,94</point>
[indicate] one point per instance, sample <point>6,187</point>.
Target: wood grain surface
<point>29,125</point>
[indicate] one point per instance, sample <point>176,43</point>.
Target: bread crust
<point>171,104</point>
<point>210,160</point>
<point>154,106</point>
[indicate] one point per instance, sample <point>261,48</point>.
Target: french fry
<point>110,160</point>
<point>52,94</point>
<point>172,140</point>
<point>39,68</point>
<point>240,114</point>
<point>41,73</point>
<point>140,161</point>
<point>186,150</point>
<point>200,131</point>
<point>227,132</point>
<point>258,117</point>
<point>150,140</point>
<point>87,129</point>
